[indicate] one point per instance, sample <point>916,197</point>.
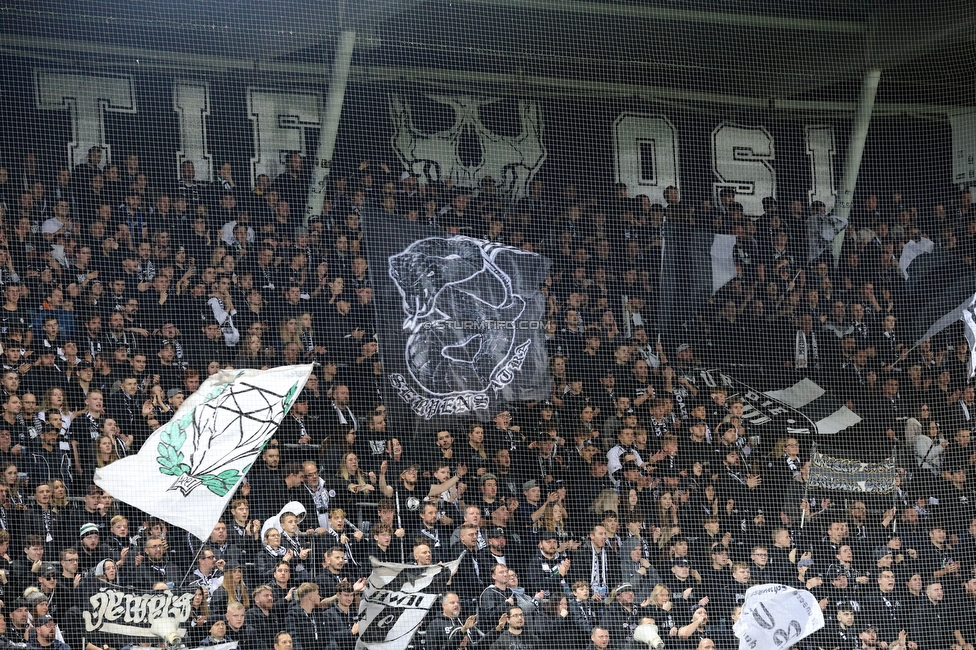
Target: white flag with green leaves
<point>188,469</point>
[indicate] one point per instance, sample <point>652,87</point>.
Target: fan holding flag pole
<point>190,468</point>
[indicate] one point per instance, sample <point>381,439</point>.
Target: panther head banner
<point>460,320</point>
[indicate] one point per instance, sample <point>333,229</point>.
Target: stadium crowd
<point>635,495</point>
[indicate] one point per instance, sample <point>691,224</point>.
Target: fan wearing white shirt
<point>622,452</point>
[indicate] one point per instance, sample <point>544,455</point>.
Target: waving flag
<point>695,264</point>
<point>801,409</point>
<point>188,470</point>
<point>938,289</point>
<point>827,413</point>
<point>776,617</point>
<point>396,600</point>
<point>911,250</point>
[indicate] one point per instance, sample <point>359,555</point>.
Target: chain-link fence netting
<point>506,324</point>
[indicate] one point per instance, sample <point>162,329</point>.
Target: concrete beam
<point>664,13</point>
<point>92,55</point>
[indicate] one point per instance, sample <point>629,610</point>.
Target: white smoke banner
<point>852,475</point>
<point>396,600</point>
<point>776,616</point>
<point>132,614</point>
<point>460,321</point>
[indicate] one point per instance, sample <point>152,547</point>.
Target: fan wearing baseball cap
<point>46,630</point>
<point>547,570</point>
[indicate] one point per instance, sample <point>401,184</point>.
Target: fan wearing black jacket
<point>470,578</point>
<point>238,630</point>
<point>154,567</point>
<point>262,618</point>
<point>305,621</point>
<point>341,620</point>
<point>449,632</point>
<point>595,554</point>
<point>497,597</point>
<point>884,607</point>
<point>548,569</point>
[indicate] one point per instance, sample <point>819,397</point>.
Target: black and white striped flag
<point>825,412</point>
<point>396,600</point>
<point>803,408</point>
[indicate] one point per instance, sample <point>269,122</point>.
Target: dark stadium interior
<point>671,438</point>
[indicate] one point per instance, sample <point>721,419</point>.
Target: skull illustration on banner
<point>511,161</point>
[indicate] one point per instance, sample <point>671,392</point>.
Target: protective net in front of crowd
<point>495,324</point>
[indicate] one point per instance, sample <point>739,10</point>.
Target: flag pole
<point>806,488</point>
<point>894,503</point>
<point>894,490</point>
<point>910,350</point>
<point>789,290</point>
<point>396,495</point>
<point>193,564</point>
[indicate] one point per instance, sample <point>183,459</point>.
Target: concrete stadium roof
<point>703,54</point>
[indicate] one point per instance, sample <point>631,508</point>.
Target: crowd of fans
<point>635,495</point>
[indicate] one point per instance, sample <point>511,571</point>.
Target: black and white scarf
<point>598,571</point>
<point>296,548</point>
<point>346,417</point>
<point>433,535</point>
<point>275,552</point>
<point>337,536</point>
<point>93,429</point>
<point>806,352</point>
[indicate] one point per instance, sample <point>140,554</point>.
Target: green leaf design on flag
<point>207,473</point>
<point>220,484</point>
<point>290,396</point>
<point>170,459</point>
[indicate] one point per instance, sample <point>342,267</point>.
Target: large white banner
<point>963,124</point>
<point>776,617</point>
<point>128,614</point>
<point>188,470</point>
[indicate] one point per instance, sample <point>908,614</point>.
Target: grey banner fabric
<point>695,264</point>
<point>460,321</point>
